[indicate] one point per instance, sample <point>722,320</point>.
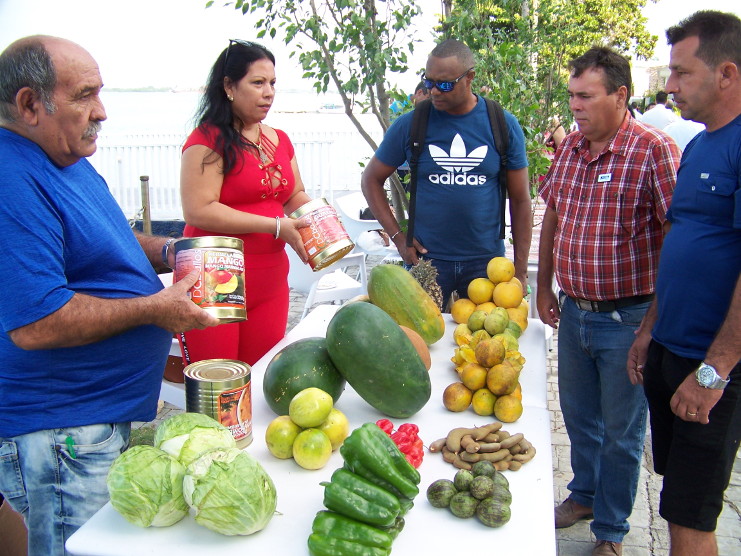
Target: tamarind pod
<point>526,456</point>
<point>481,432</point>
<point>512,440</point>
<point>515,465</point>
<point>525,444</point>
<point>508,457</point>
<point>503,435</point>
<point>451,457</point>
<point>469,457</point>
<point>437,445</point>
<point>469,444</point>
<point>516,449</point>
<point>494,456</point>
<point>489,447</point>
<point>455,436</point>
<point>491,437</point>
<point>501,465</point>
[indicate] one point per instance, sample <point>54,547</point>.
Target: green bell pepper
<point>334,525</point>
<point>320,545</point>
<point>369,451</point>
<point>353,496</point>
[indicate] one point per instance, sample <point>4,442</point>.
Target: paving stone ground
<point>648,535</point>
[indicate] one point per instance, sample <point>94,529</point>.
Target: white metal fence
<point>329,162</point>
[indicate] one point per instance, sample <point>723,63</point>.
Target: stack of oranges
<point>487,358</point>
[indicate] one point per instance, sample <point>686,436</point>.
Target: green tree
<point>353,44</point>
<point>523,47</point>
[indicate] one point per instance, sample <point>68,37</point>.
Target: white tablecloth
<point>530,531</point>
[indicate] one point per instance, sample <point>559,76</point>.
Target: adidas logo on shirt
<point>458,164</point>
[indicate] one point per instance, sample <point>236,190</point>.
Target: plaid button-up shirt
<point>610,210</point>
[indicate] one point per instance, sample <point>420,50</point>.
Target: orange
<point>480,290</point>
<point>496,321</point>
<point>507,295</point>
<point>483,402</point>
<point>518,392</point>
<point>312,449</point>
<point>473,376</point>
<point>500,269</point>
<point>462,309</point>
<point>502,379</point>
<point>456,397</point>
<point>476,321</point>
<point>486,307</point>
<point>489,352</point>
<point>507,409</point>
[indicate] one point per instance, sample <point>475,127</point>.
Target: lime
<point>280,435</point>
<point>310,407</point>
<point>312,449</point>
<point>336,427</point>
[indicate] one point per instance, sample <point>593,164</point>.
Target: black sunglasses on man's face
<point>443,86</point>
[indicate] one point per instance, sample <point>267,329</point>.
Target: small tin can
<point>325,238</point>
<point>220,263</point>
<point>221,388</point>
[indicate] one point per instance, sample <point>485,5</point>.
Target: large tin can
<point>221,388</point>
<point>325,238</point>
<point>220,263</point>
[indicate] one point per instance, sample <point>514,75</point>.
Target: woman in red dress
<point>240,178</point>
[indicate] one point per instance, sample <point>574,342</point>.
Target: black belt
<point>612,305</point>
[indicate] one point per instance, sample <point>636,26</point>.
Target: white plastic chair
<point>349,207</point>
<point>331,284</point>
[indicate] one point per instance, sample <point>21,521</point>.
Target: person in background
<point>687,352</point>
<point>636,113</point>
<point>682,131</point>
<point>87,329</point>
<point>239,178</point>
<point>458,205</point>
<point>659,116</point>
<point>420,93</point>
<point>606,196</point>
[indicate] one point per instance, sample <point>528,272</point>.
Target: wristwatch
<point>165,249</point>
<point>707,377</point>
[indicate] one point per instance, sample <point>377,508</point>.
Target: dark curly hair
<point>215,109</point>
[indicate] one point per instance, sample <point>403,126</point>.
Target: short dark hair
<point>661,97</point>
<point>421,87</point>
<point>615,67</point>
<point>26,63</point>
<point>719,34</point>
<point>453,47</point>
<point>215,109</point>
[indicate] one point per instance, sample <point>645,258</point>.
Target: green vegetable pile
<point>366,499</point>
<point>483,491</point>
<point>194,465</point>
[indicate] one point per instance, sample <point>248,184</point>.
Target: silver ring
<point>691,414</point>
<point>639,367</point>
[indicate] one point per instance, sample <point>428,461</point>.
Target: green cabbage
<point>186,436</point>
<point>146,487</point>
<point>229,492</point>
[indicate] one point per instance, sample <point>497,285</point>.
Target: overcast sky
<point>173,43</point>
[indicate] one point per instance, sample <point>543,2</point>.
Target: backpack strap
<point>416,143</point>
<point>501,142</point>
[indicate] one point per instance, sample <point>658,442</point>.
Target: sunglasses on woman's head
<point>248,44</point>
<point>443,86</point>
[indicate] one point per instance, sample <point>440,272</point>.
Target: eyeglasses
<point>248,44</point>
<point>443,86</point>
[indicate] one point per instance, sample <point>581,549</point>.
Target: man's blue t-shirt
<point>63,233</point>
<point>701,256</point>
<point>458,192</point>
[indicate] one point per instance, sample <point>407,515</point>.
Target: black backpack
<point>417,141</point>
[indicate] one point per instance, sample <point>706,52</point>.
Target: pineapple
<point>426,275</point>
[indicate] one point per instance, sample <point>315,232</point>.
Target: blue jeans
<point>456,275</point>
<point>55,491</point>
<point>605,415</point>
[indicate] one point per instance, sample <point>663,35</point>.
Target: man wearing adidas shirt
<point>458,198</point>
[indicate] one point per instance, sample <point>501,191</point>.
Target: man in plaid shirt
<point>606,195</point>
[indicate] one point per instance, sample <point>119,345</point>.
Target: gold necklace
<point>258,145</point>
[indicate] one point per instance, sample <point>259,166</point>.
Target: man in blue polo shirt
<point>458,209</point>
<point>86,324</point>
<point>692,374</point>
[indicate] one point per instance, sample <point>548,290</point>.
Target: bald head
<point>49,93</point>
